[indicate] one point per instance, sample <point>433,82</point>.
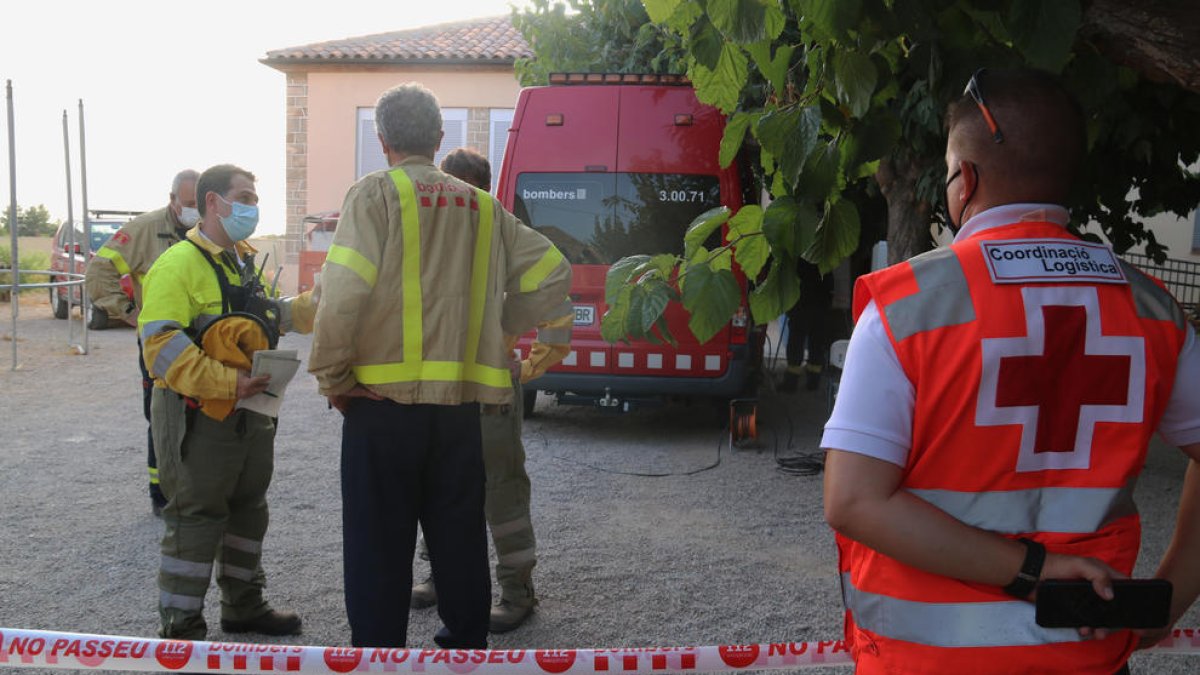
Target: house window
<point>500,119</point>
<point>369,156</point>
<point>1196,231</point>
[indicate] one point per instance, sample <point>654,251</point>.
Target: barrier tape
<point>48,649</point>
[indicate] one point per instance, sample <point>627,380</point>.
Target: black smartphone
<point>1071,603</point>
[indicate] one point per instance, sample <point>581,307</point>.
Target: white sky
<point>168,85</point>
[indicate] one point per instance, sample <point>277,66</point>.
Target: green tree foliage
<point>842,103</point>
<point>593,36</point>
<point>31,222</point>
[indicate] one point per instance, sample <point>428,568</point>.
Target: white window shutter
<point>454,130</point>
<point>369,156</point>
<point>500,119</point>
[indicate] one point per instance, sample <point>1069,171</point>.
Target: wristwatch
<point>1031,570</point>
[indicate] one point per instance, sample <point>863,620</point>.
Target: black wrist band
<point>1031,570</point>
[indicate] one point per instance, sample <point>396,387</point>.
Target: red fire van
<point>608,166</point>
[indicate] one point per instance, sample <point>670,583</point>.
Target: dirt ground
<point>737,553</point>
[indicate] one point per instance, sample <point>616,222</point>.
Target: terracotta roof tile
<point>492,39</point>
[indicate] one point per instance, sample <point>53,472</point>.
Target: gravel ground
<point>738,553</point>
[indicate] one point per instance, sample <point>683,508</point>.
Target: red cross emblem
<point>1060,379</point>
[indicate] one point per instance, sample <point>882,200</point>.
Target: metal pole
<point>71,221</point>
<point>87,223</point>
<point>15,297</point>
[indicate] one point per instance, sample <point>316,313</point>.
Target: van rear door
<point>562,169</point>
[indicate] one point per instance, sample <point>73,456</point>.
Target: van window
<point>599,218</point>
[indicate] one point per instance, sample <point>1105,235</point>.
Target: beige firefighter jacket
<point>131,250</point>
<point>425,282</point>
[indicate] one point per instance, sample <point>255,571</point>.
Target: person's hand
<point>340,401</point>
<point>1060,566</point>
<point>132,317</point>
<point>249,386</point>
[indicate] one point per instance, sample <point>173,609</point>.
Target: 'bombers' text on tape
<point>47,649</point>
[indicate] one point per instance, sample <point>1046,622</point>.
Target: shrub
<point>33,260</point>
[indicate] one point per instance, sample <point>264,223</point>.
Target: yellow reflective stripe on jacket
<point>410,227</point>
<point>117,261</point>
<point>479,275</point>
<point>534,276</point>
<point>355,262</point>
<point>432,371</point>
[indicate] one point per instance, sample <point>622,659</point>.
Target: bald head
<point>1044,137</point>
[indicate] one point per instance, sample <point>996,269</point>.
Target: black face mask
<point>946,203</point>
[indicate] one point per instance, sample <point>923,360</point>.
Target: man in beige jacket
<point>132,250</point>
<point>426,281</point>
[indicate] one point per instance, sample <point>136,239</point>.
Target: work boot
<point>812,378</point>
<point>507,615</point>
<point>423,594</point>
<point>156,509</point>
<point>789,382</point>
<point>273,622</point>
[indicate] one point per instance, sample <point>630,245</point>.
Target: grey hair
<point>409,119</point>
<point>185,175</point>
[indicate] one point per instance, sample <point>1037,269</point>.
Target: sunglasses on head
<point>975,91</point>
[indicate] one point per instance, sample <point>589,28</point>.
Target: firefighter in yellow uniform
<point>426,281</point>
<point>132,250</point>
<point>215,461</point>
<point>506,502</point>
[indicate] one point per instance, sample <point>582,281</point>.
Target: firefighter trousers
<point>216,475</point>
<point>404,464</point>
<point>506,500</point>
<point>156,494</point>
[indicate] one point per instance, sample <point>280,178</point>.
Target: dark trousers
<point>404,464</point>
<point>156,493</point>
<point>808,327</point>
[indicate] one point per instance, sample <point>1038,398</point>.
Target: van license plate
<point>585,315</point>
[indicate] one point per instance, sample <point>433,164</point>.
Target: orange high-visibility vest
<point>1041,366</point>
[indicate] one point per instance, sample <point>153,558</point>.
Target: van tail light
<point>741,318</point>
<point>554,120</point>
<point>683,120</point>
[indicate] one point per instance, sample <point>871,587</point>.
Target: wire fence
<point>1182,278</point>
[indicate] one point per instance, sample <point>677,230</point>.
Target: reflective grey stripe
<point>169,352</point>
<point>242,544</point>
<point>1008,623</point>
<point>235,572</point>
<point>1058,509</point>
<point>942,299</point>
<point>185,568</point>
<point>177,601</point>
<point>517,557</point>
<point>1151,301</point>
<point>554,336</point>
<point>154,327</point>
<point>505,529</point>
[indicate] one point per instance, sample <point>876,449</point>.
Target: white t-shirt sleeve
<point>1180,423</point>
<point>873,414</point>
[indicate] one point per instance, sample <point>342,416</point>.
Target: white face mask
<point>189,216</point>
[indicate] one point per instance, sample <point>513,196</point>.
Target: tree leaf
<point>788,225</point>
<point>1045,31</point>
<point>613,326</point>
<point>819,179</point>
<point>699,230</point>
<point>721,87</point>
<point>775,68</point>
<point>661,10</point>
<point>751,249</point>
<point>836,237</point>
<point>711,298</point>
<point>829,19</point>
<point>746,21</point>
<point>619,275</point>
<point>735,133</point>
<point>778,292</point>
<point>854,79</point>
<point>789,134</point>
<point>657,297</point>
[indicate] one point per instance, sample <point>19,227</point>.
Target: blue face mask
<point>241,221</point>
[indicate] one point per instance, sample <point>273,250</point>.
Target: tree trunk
<point>908,218</point>
<point>1157,38</point>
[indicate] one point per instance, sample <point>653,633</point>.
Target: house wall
<point>322,112</point>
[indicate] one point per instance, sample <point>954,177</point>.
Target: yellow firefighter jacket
<point>425,283</point>
<point>131,250</point>
<point>181,295</point>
